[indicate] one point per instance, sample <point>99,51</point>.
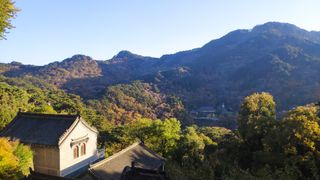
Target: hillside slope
<point>275,57</point>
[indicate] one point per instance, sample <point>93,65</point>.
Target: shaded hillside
<point>278,58</point>
<point>275,57</point>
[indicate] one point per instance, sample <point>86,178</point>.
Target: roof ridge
<point>88,125</point>
<point>8,126</point>
<point>32,114</point>
<point>115,155</point>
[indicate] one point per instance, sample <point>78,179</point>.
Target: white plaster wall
<point>67,163</point>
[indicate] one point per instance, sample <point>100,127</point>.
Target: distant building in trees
<point>63,145</point>
<point>204,113</point>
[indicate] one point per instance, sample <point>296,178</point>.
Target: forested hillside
<point>273,57</point>
<point>263,146</point>
<point>120,104</point>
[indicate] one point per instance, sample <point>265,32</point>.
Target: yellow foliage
<point>15,159</point>
<point>8,161</point>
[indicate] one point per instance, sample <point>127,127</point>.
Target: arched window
<point>76,152</point>
<point>83,149</point>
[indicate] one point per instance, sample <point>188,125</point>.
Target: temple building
<point>63,145</point>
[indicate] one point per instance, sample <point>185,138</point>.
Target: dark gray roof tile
<point>33,128</point>
<point>112,167</point>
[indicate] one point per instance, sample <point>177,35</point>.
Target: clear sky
<point>52,30</point>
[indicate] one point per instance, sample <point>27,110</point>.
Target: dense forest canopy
<point>263,145</point>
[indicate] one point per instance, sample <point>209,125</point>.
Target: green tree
<point>11,99</point>
<point>142,129</point>
<point>164,136</point>
<point>266,148</point>
<point>117,138</point>
<point>7,13</point>
<point>300,132</point>
<point>190,160</point>
<point>215,133</point>
<point>25,157</point>
<point>161,136</point>
<point>256,124</point>
<point>256,117</point>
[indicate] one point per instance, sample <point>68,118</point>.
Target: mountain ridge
<point>275,57</point>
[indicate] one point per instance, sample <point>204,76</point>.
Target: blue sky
<point>52,30</point>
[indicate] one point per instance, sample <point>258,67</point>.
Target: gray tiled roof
<point>112,167</point>
<point>33,128</point>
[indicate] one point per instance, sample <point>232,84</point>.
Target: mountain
<point>279,58</point>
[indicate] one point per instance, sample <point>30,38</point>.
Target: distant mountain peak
<point>16,63</point>
<point>80,57</point>
<point>125,54</point>
<point>275,24</point>
<point>280,29</point>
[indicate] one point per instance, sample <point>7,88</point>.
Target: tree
<point>170,130</point>
<point>142,129</point>
<point>160,136</point>
<point>15,159</point>
<point>300,132</point>
<point>192,143</point>
<point>25,157</point>
<point>215,133</point>
<point>164,136</point>
<point>7,13</point>
<point>256,117</point>
<point>8,161</point>
<point>190,160</point>
<point>284,149</point>
<point>11,99</point>
<point>256,122</point>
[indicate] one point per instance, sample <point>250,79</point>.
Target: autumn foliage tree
<point>15,159</point>
<point>7,12</point>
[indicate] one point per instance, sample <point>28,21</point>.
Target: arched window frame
<point>83,149</point>
<point>75,152</point>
